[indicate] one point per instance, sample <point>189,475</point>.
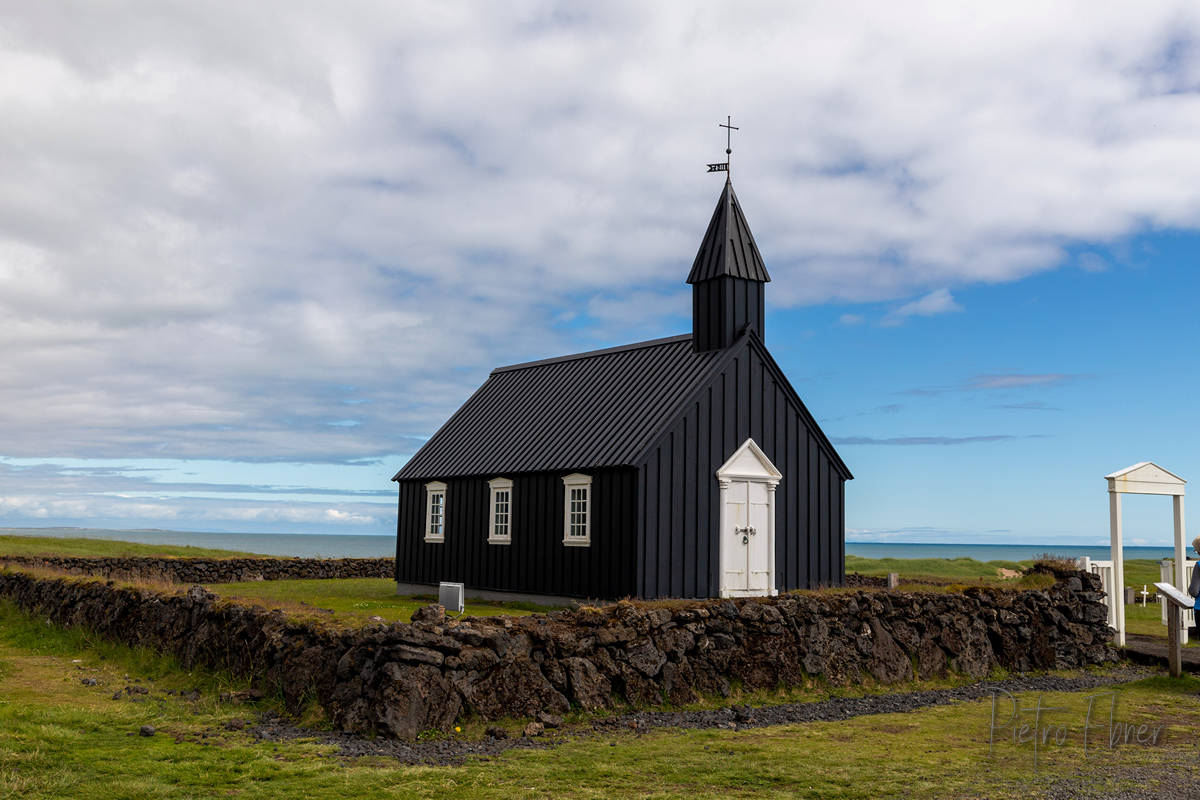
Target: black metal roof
<point>728,248</point>
<point>582,411</point>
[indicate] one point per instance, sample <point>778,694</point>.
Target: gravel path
<point>443,752</point>
<point>839,708</point>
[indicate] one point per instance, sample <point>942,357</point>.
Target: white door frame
<point>1145,477</point>
<point>748,463</point>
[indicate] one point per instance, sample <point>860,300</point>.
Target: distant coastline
<point>306,545</point>
<point>997,552</point>
<point>337,545</point>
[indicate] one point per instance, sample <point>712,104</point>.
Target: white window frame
<point>431,489</point>
<point>498,485</point>
<point>572,482</point>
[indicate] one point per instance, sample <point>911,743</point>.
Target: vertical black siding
<point>537,561</point>
<point>679,507</point>
<point>722,307</point>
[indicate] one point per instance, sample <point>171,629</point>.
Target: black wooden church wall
<point>679,507</point>
<point>537,561</point>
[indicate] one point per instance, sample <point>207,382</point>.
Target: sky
<point>252,255</point>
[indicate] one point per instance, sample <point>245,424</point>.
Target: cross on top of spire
<point>729,129</point>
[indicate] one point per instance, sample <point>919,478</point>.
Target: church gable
<point>745,397</point>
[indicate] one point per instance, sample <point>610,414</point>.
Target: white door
<point>745,545</point>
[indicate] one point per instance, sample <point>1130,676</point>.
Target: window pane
<point>437,511</point>
<point>577,512</point>
<point>502,507</point>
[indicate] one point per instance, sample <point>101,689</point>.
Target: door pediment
<point>749,462</point>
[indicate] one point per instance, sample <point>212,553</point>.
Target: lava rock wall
<point>209,570</point>
<point>401,679</point>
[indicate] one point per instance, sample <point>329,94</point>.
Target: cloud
<point>1032,405</point>
<point>999,382</point>
<point>936,302</point>
<point>49,493</point>
<point>220,227</point>
<point>906,441</point>
<point>851,319</point>
<point>1016,381</point>
<point>927,534</point>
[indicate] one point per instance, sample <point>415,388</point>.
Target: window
<point>435,512</point>
<point>577,510</point>
<point>500,527</point>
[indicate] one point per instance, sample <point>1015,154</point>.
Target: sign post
<point>1176,601</point>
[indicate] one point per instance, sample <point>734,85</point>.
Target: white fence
<point>1166,571</point>
<point>1105,570</point>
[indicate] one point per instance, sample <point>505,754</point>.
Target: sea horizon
<point>377,545</point>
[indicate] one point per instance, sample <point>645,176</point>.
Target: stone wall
<point>208,570</point>
<point>855,580</point>
<point>400,679</point>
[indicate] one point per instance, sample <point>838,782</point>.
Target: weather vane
<point>729,129</point>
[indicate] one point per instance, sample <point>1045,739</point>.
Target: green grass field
<point>353,600</point>
<point>357,600</point>
<point>54,546</point>
<point>62,739</point>
<point>1138,571</point>
<point>957,568</point>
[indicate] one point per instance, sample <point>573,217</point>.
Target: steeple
<point>727,278</point>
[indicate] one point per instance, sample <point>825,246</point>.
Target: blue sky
<point>250,260</point>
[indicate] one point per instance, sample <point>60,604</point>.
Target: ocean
<point>318,545</point>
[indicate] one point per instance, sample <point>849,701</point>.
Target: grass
<point>62,739</point>
<point>960,568</point>
<point>1148,622</point>
<point>1141,571</point>
<point>1138,571</point>
<point>353,600</point>
<point>54,546</point>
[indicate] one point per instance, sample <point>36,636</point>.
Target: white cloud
<point>222,226</point>
<point>936,302</point>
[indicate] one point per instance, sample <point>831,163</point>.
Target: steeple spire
<point>728,247</point>
<point>727,278</point>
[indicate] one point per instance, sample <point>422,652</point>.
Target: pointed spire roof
<point>728,248</point>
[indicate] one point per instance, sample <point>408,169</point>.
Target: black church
<point>678,467</point>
